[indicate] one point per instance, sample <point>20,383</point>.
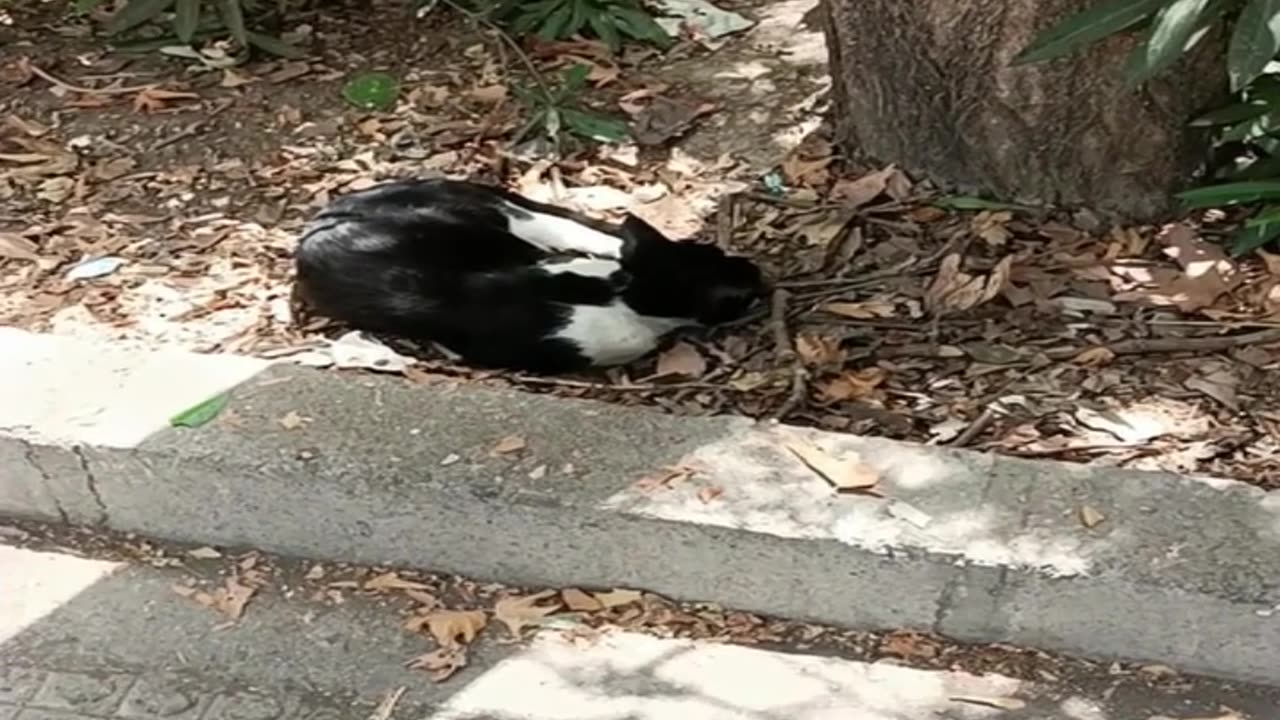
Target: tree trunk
<point>927,84</point>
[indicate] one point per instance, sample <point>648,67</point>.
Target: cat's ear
<point>636,229</point>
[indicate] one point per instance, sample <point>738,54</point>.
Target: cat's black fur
<point>491,276</point>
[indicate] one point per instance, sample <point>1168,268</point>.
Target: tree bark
<point>928,85</point>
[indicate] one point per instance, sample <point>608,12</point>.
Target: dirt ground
<point>154,200</point>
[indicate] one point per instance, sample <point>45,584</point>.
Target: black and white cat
<point>504,281</point>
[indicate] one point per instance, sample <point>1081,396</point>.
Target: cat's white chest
<point>614,334</point>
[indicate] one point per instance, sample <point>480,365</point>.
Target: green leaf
<point>577,19</point>
<point>1259,231</point>
<point>1230,114</point>
<point>640,26</point>
<point>233,18</point>
<point>1255,41</point>
<point>200,414</point>
<point>186,18</point>
<point>1172,33</point>
<point>1230,193</point>
<point>575,78</point>
<point>136,13</point>
<point>531,15</point>
<point>85,6</point>
<point>604,28</point>
<point>969,202</point>
<point>595,127</point>
<point>1266,216</point>
<point>1088,26</point>
<point>372,91</point>
<point>555,22</point>
<point>275,46</point>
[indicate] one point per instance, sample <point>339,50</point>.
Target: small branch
<point>977,427</point>
<point>1170,345</point>
<point>724,219</point>
<point>786,350</point>
<point>69,87</point>
<point>509,41</point>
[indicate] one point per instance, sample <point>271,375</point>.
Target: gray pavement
<point>82,638</point>
<point>371,469</point>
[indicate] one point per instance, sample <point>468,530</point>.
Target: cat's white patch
<point>615,334</point>
<point>557,234</point>
<point>590,267</point>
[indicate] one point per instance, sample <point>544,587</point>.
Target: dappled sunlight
<point>782,25</point>
<point>35,584</point>
<point>625,676</point>
<point>122,397</point>
<point>933,500</point>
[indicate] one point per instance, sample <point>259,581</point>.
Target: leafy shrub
<point>608,20</point>
<point>191,21</point>
<point>555,110</point>
<point>1171,28</point>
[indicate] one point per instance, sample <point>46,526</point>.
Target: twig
<point>629,387</point>
<point>388,705</point>
<point>724,219</point>
<point>786,350</point>
<point>977,427</point>
<point>510,42</point>
<point>69,87</point>
<point>1163,345</point>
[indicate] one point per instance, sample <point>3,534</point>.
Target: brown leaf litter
<point>901,319</point>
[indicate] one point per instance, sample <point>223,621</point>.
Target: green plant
<point>1251,123</point>
<point>555,109</point>
<point>372,91</point>
<point>190,22</point>
<point>608,20</point>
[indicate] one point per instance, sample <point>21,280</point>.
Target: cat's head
<point>689,280</point>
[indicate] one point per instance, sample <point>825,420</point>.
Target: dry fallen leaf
<point>908,644</point>
<point>617,598</point>
<point>847,474</point>
<point>817,351</point>
<point>854,385</point>
<point>490,94</point>
<point>392,582</point>
<point>664,478</point>
<point>681,360</point>
<point>455,628</point>
<point>1207,275</point>
<point>508,445</point>
<point>1094,357</point>
<point>806,171</point>
<point>517,612</point>
<point>709,493</point>
<point>1090,516</point>
<point>155,99</point>
<point>990,226</point>
<point>953,290</point>
<point>867,310</point>
<point>204,553</point>
<point>292,420</point>
<point>441,663</point>
<point>17,247</point>
<point>229,600</point>
<point>579,601</point>
<point>859,192</point>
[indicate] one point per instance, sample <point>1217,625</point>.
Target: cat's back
<point>421,223</point>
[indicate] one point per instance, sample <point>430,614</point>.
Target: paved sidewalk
<point>519,488</point>
<point>83,639</point>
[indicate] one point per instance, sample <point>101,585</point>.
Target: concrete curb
<point>1181,571</point>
